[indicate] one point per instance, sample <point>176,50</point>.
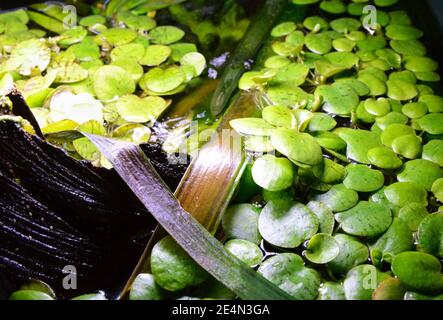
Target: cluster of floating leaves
<point>110,76</point>
<point>348,160</point>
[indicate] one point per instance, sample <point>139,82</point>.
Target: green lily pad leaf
<point>145,288</point>
<point>405,75</point>
<point>319,43</point>
<point>384,158</point>
<point>259,144</point>
<point>321,122</point>
<point>329,172</point>
<point>345,25</point>
<point>287,95</point>
<point>252,126</point>
<point>417,296</point>
<point>315,23</point>
<point>279,116</point>
<point>351,254</point>
<point>195,60</point>
<point>359,142</point>
<point>298,147</point>
<point>241,222</point>
<point>401,90</point>
<point>377,87</point>
<point>412,48</point>
<point>403,193</point>
<point>173,268</point>
<point>333,6</point>
<point>322,248</point>
<point>389,289</point>
<point>331,291</point>
<point>340,98</point>
<point>413,214</point>
<point>409,146</point>
<point>111,82</point>
<point>415,110</point>
<point>293,74</point>
<point>283,29</point>
<point>391,118</point>
<point>326,69</point>
<point>361,282</point>
<point>163,80</point>
<point>428,76</point>
<point>133,21</point>
<point>437,189</point>
<point>38,285</point>
<point>433,103</point>
<point>92,20</point>
<point>358,86</point>
<point>68,72</point>
<point>87,50</point>
<point>133,68</point>
<point>29,295</point>
<point>324,215</point>
<point>330,141</point>
<point>379,107</point>
<point>166,34</point>
<point>372,43</point>
<point>287,270</point>
<point>286,49</point>
<point>140,110</point>
<point>397,239</point>
<point>343,45</point>
<point>155,55</point>
<point>420,64</point>
<point>85,148</point>
<point>304,2</point>
<point>28,56</point>
<point>58,126</point>
<point>363,115</point>
<point>343,59</point>
<point>366,219</point>
<point>277,62</point>
<point>117,36</point>
<point>72,36</point>
<point>419,271</point>
<point>403,32</point>
<point>433,151</point>
<point>394,131</point>
<point>432,123</point>
<point>180,49</point>
<point>421,172</point>
<point>246,251</point>
<point>287,224</point>
<point>338,198</point>
<point>272,173</point>
<point>430,235</point>
<point>363,179</point>
<point>132,51</point>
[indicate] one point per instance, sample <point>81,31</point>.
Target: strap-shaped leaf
<point>135,169</point>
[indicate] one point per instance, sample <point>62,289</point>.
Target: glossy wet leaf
<point>29,295</point>
<point>384,158</point>
<point>283,29</point>
<point>287,95</point>
<point>340,98</point>
<point>351,254</point>
<point>279,116</point>
<point>68,72</point>
<point>389,289</point>
<point>372,43</point>
<point>398,238</point>
<point>379,107</point>
<point>172,268</point>
<point>433,151</point>
<point>287,271</point>
<point>403,32</point>
<point>432,102</point>
<point>343,44</point>
<point>421,172</point>
<point>252,126</point>
<point>322,248</point>
<point>366,219</point>
<point>29,55</point>
<point>143,23</point>
<point>315,23</point>
<point>272,173</point>
<point>409,47</point>
<point>345,25</point>
<point>394,131</point>
<point>338,198</point>
<point>431,123</point>
<point>144,287</point>
<point>321,122</point>
<point>417,296</point>
<point>420,64</point>
<point>117,36</point>
<point>91,20</point>
<point>287,224</point>
<point>180,49</point>
<point>72,36</point>
<point>319,43</point>
<point>401,90</point>
<point>403,193</point>
<point>133,68</point>
<point>163,80</point>
<point>293,74</point>
<point>361,281</point>
<point>409,146</point>
<point>166,34</point>
<point>241,222</point>
<point>414,110</point>
<point>333,6</point>
<point>363,179</point>
<point>246,251</point>
<point>413,214</point>
<point>419,271</point>
<point>331,291</point>
<point>155,55</point>
<point>196,61</point>
<point>140,110</point>
<point>325,216</point>
<point>132,51</point>
<point>430,235</point>
<point>359,142</point>
<point>298,147</point>
<point>84,147</point>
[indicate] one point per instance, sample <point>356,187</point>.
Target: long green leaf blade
<point>135,169</point>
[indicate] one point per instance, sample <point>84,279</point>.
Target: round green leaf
<point>322,248</point>
<point>361,281</point>
<point>351,254</point>
<point>403,193</point>
<point>272,173</point>
<point>421,172</point>
<point>338,198</point>
<point>145,288</point>
<point>384,158</point>
<point>246,251</point>
<point>430,235</point>
<point>403,32</point>
<point>111,82</point>
<point>363,179</point>
<point>166,34</point>
<point>324,216</point>
<point>241,222</point>
<point>401,90</point>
